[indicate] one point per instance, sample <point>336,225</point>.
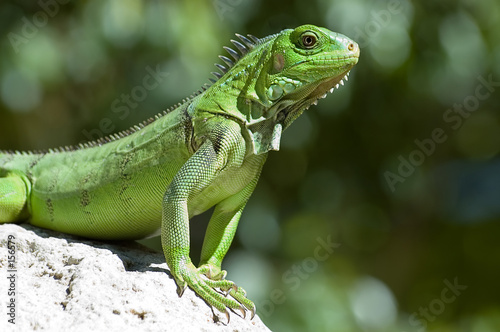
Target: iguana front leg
<point>221,230</point>
<point>225,149</point>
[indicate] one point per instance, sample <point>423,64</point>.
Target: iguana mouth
<point>289,113</point>
<point>329,85</point>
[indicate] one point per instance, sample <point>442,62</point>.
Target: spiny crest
<point>105,139</point>
<point>97,142</point>
<point>245,46</point>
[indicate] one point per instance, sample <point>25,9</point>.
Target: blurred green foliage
<point>381,212</point>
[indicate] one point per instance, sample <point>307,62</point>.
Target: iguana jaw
<point>328,85</point>
<point>294,109</point>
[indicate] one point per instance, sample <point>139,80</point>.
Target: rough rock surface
<point>66,283</point>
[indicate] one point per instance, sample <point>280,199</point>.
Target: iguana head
<point>274,79</point>
<point>304,65</point>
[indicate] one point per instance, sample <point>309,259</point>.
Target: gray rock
<point>66,283</point>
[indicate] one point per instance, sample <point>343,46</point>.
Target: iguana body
<point>208,151</point>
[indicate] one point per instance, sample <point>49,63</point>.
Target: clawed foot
<point>209,283</point>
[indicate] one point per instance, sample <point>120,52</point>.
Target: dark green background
<point>399,169</point>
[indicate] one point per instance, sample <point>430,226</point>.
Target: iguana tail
<point>14,191</point>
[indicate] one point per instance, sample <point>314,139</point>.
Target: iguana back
<point>99,191</point>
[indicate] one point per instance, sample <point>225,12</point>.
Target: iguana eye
<point>309,39</point>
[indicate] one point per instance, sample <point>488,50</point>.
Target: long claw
<point>181,289</point>
<point>209,283</point>
<point>240,296</point>
<point>243,312</point>
<point>253,313</point>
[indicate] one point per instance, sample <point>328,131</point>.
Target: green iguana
<point>207,151</point>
